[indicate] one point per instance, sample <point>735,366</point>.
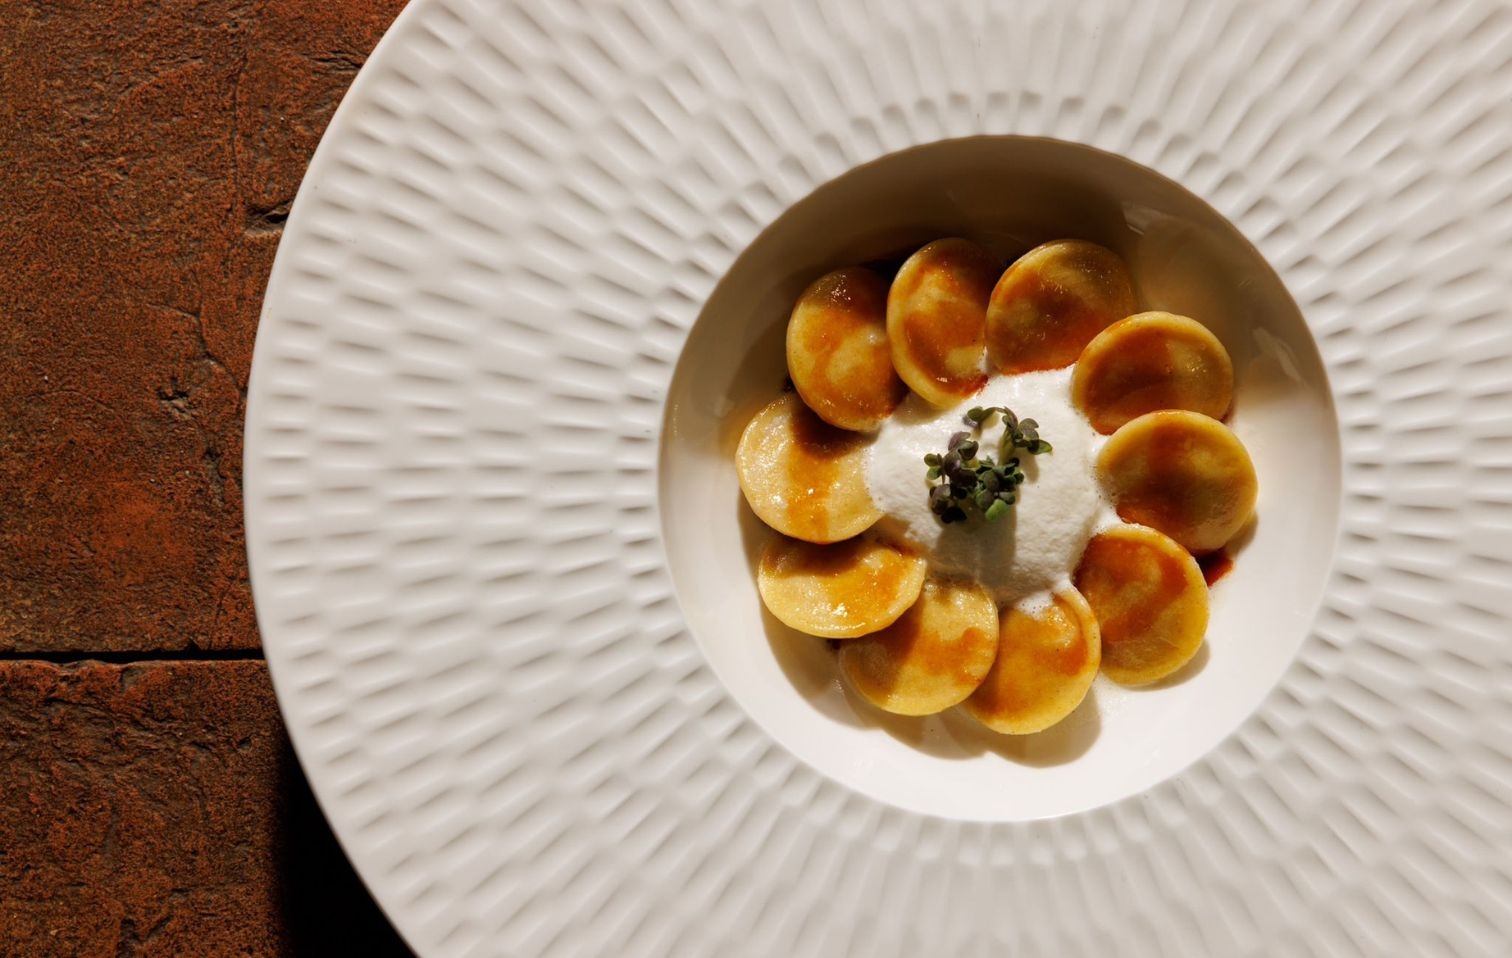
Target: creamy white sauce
<point>1025,555</point>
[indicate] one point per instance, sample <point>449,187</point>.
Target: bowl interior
<point>1008,193</point>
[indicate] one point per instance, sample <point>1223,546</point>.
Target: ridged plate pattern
<point>502,242</point>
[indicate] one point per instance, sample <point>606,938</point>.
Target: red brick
<point>155,809</point>
<point>147,152</point>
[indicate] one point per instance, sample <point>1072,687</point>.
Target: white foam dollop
<point>1023,556</point>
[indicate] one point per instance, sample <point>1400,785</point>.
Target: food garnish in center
<point>989,483</point>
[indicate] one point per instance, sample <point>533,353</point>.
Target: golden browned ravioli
<point>937,319</point>
<point>837,350</point>
<point>1047,658</point>
<point>1155,384</point>
<point>1182,473</point>
<point>1149,598</point>
<point>802,476</point>
<point>1052,301</point>
<point>1151,361</point>
<point>839,591</point>
<point>932,657</point>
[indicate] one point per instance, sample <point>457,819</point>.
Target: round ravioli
<point>1152,361</point>
<point>1052,301</point>
<point>932,657</point>
<point>1047,658</point>
<point>1150,600</point>
<point>802,476</point>
<point>1182,473</point>
<point>838,591</point>
<point>837,350</point>
<point>937,319</point>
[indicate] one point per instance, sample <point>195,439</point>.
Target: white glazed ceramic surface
<point>456,537</point>
<point>1008,193</point>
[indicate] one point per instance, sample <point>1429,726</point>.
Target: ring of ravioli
<point>914,642</point>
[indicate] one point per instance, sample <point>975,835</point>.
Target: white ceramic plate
<point>535,279</point>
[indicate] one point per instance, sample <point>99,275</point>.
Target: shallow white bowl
<point>1009,193</point>
<point>453,434</point>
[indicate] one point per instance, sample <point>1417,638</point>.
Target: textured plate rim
<point>1349,390</point>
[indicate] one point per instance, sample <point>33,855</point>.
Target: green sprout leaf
<point>964,482</point>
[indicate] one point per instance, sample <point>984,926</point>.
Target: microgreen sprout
<point>962,481</point>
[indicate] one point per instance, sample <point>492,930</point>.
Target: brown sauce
<point>880,581</point>
<point>949,658</point>
<point>933,338</point>
<point>815,467</point>
<point>1129,584</point>
<point>945,297</point>
<point>1066,653</point>
<point>1139,375</point>
<point>1167,493</point>
<point>1067,295</point>
<point>838,309</point>
<point>1215,565</point>
<point>1053,640</point>
<point>867,573</point>
<point>1059,323</point>
<point>1150,365</point>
